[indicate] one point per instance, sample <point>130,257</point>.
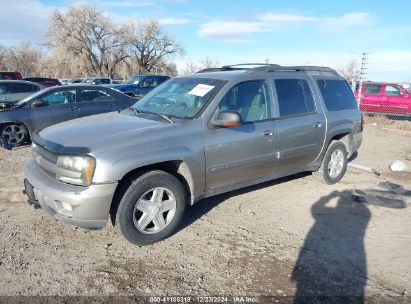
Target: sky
<point>330,33</point>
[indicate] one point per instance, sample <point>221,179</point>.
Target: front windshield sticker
<point>201,90</point>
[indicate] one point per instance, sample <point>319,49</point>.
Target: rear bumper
<point>86,207</point>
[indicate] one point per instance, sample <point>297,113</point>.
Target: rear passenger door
<point>95,101</point>
<point>301,123</point>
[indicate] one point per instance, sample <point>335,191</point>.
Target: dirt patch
<point>255,241</point>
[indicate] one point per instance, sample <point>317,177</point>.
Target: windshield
<point>134,79</point>
<point>180,97</point>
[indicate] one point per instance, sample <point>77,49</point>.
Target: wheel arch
<point>178,168</point>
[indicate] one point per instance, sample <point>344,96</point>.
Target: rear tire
<point>334,163</point>
<point>151,208</point>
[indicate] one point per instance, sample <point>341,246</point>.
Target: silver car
<point>190,138</point>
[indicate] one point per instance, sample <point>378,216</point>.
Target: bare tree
<point>150,45</point>
<point>87,33</point>
<point>208,63</point>
<point>350,72</point>
<point>3,58</point>
<point>190,68</point>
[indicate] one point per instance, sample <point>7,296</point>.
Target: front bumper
<point>86,207</point>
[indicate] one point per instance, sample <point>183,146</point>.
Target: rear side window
<point>337,95</point>
<point>21,88</point>
<point>294,97</point>
<point>95,95</point>
<point>372,89</point>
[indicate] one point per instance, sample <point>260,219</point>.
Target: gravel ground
<point>294,236</point>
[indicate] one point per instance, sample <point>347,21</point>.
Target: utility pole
<point>363,73</point>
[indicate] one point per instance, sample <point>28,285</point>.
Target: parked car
<point>139,85</point>
<point>47,82</point>
<point>10,76</point>
<point>75,80</point>
<point>12,91</point>
<point>64,81</point>
<point>387,98</point>
<point>190,138</point>
<point>97,80</point>
<point>57,104</point>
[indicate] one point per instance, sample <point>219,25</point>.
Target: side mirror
<point>227,119</point>
<point>38,103</point>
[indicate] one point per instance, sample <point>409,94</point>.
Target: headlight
<point>77,170</point>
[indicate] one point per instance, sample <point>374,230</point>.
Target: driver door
<point>246,152</point>
<point>55,107</point>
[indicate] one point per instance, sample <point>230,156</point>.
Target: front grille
<point>47,155</point>
<point>45,159</point>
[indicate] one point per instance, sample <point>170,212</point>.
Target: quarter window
<point>337,95</point>
<point>250,99</point>
<point>294,97</point>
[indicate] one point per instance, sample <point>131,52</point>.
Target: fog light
<point>64,208</point>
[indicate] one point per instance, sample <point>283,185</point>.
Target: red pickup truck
<point>387,98</point>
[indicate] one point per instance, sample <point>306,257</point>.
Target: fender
<point>105,173</point>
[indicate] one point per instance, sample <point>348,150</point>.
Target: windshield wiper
<point>136,112</point>
<point>163,116</point>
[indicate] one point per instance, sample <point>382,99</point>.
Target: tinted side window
<point>60,97</point>
<point>372,89</point>
<point>294,97</point>
<point>95,95</point>
<point>21,88</point>
<point>250,99</point>
<point>337,95</point>
<point>105,80</point>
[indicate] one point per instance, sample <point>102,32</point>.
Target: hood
<point>98,132</point>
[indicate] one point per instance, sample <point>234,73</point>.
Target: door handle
<point>268,133</point>
<point>73,108</point>
<point>111,106</point>
<point>317,124</point>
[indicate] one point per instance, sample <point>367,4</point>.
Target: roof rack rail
<point>297,68</point>
<point>266,67</point>
<point>234,67</point>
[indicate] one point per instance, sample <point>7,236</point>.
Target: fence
<point>385,104</point>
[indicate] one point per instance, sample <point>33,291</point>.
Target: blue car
<point>139,85</point>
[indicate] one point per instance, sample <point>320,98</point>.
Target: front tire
<point>151,208</point>
<point>334,163</point>
<point>14,134</point>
